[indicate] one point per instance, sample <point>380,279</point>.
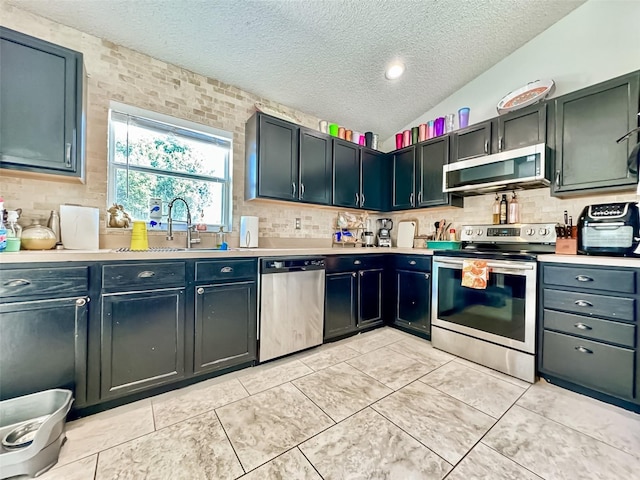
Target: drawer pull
<point>357,262</point>
<point>583,303</point>
<point>226,270</point>
<point>584,278</point>
<point>146,274</point>
<point>582,349</point>
<point>81,302</point>
<point>200,290</point>
<point>582,326</point>
<point>19,282</point>
<point>412,262</point>
<point>353,274</point>
<point>426,275</point>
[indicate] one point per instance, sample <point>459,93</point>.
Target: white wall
<point>597,41</point>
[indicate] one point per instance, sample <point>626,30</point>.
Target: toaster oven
<point>609,229</point>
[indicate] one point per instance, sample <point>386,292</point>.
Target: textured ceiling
<point>323,57</point>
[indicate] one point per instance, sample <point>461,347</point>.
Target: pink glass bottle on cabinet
<point>430,129</point>
<point>399,141</point>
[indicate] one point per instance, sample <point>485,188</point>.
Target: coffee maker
<point>384,232</point>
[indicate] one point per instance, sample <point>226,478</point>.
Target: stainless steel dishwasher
<point>291,305</point>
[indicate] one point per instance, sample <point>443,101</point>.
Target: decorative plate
<point>528,95</point>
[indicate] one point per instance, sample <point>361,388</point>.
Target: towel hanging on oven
<point>475,274</point>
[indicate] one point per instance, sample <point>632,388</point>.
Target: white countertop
<point>36,256</point>
<point>592,260</point>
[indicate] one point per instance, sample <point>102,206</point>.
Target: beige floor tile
<point>478,389</point>
<point>291,465</point>
<point>556,452</point>
<point>494,373</point>
<point>422,351</point>
<point>367,446</point>
<point>106,429</point>
<point>447,426</point>
<point>341,390</point>
<point>607,423</point>
<point>264,377</point>
<point>390,367</point>
<point>269,423</point>
<point>196,449</point>
<point>328,357</point>
<point>483,463</point>
<point>176,406</point>
<point>79,470</point>
<point>370,341</point>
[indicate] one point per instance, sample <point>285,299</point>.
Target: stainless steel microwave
<point>526,167</point>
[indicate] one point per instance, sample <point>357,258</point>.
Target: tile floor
<point>382,405</point>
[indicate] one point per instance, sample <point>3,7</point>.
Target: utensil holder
<point>567,246</point>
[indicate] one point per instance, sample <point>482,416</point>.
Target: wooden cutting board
<point>406,232</point>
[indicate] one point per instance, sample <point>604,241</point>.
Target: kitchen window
<point>155,156</point>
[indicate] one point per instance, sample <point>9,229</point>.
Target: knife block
<point>566,246</point>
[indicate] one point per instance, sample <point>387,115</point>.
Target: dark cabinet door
<point>431,157</point>
<point>403,195</point>
<point>346,174</point>
<point>340,304</point>
<point>43,345</point>
<point>142,340</point>
<point>278,159</point>
<point>471,142</point>
<point>375,181</point>
<point>225,325</point>
<point>370,296</point>
<point>588,123</point>
<point>522,128</point>
<point>413,300</point>
<point>315,167</point>
<point>41,107</point>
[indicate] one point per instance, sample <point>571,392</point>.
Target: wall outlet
<point>298,223</point>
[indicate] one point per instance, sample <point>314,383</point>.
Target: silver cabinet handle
<point>357,262</point>
<point>412,262</point>
<point>426,275</point>
<point>226,270</point>
<point>357,198</point>
<point>582,349</point>
<point>582,326</point>
<point>67,154</point>
<point>353,274</point>
<point>419,197</point>
<point>486,146</point>
<point>362,274</point>
<point>200,290</point>
<point>18,282</point>
<point>499,144</point>
<point>583,303</point>
<point>411,199</point>
<point>293,189</point>
<point>81,302</point>
<point>362,199</point>
<point>557,178</point>
<point>301,189</point>
<point>146,274</point>
<point>584,278</point>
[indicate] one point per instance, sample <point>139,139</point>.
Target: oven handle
<point>498,267</point>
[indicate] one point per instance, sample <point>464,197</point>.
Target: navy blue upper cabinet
<point>41,112</point>
<point>587,124</point>
<point>346,174</point>
<point>403,195</point>
<point>375,168</point>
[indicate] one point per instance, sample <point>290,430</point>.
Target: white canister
<point>249,232</point>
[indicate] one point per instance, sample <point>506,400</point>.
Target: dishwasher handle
<point>287,265</point>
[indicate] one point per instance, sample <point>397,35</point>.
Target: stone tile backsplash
<point>118,73</point>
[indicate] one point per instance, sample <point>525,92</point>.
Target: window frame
<point>199,131</point>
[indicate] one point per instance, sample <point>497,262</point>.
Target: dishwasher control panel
<point>284,264</point>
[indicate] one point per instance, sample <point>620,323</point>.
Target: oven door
<point>504,313</point>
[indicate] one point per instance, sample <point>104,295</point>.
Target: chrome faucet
<point>190,227</point>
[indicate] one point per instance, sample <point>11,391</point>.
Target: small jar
<point>37,237</point>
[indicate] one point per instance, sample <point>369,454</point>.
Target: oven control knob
<point>479,231</point>
<point>531,231</point>
<point>543,232</point>
<point>469,231</point>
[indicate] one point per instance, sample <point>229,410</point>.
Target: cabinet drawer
<point>602,367</point>
<point>619,281</point>
<point>351,263</point>
<point>618,308</point>
<point>420,263</point>
<point>49,282</point>
<point>220,270</point>
<point>593,328</point>
<point>143,276</point>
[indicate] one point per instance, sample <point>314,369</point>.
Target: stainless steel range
<point>493,326</point>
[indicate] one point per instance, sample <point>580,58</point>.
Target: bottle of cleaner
<point>3,230</point>
<point>14,232</point>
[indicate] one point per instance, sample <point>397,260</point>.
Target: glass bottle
<point>37,237</point>
<point>3,230</point>
<point>514,210</point>
<point>54,224</point>
<point>219,238</point>
<point>503,210</point>
<point>496,211</point>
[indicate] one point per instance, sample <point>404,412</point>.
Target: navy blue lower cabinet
<point>413,300</point>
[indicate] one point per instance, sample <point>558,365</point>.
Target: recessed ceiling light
<point>394,70</point>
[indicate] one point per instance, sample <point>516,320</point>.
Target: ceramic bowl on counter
<point>37,237</point>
